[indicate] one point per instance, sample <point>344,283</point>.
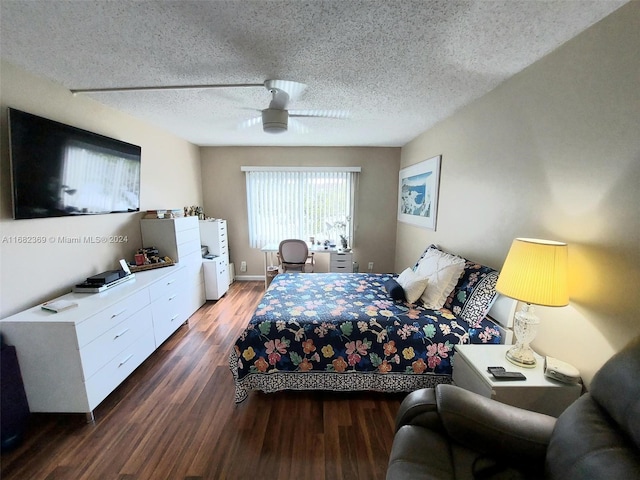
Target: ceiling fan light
<point>274,121</point>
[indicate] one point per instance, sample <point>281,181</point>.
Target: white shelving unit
<point>341,262</point>
<point>213,234</point>
<point>179,238</point>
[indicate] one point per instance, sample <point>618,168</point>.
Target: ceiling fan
<point>275,119</point>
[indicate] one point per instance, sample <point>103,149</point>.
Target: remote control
<point>498,375</point>
<point>495,369</point>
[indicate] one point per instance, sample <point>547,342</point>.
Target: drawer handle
<point>121,333</point>
<point>171,281</point>
<point>119,313</point>
<point>125,360</point>
<point>175,316</point>
<point>172,297</point>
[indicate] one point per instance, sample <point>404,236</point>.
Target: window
<point>300,203</point>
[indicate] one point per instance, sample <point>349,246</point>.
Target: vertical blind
<point>300,203</point>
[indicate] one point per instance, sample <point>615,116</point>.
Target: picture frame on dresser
<point>418,193</point>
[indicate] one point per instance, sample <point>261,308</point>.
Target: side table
<point>537,392</point>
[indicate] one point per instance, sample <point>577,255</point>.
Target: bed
<point>345,331</point>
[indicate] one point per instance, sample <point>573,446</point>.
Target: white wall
<point>552,153</point>
<point>170,178</point>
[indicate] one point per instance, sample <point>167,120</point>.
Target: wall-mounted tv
<point>59,170</point>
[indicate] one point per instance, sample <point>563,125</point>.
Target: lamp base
<point>522,356</point>
<point>525,327</point>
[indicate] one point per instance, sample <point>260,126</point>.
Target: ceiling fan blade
<point>340,114</point>
<point>297,126</point>
<point>163,87</point>
<point>250,122</point>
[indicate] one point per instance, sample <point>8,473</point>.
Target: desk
<point>339,261</point>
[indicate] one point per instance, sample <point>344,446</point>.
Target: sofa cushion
<point>586,445</point>
<point>620,375</point>
<point>418,453</point>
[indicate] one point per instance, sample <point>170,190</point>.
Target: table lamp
<point>535,273</point>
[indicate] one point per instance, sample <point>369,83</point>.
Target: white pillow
<point>413,284</point>
<point>443,271</point>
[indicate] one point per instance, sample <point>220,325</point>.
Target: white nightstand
<point>537,392</point>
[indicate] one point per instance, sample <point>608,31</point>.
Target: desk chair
<point>293,255</point>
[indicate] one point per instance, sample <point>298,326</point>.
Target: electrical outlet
<point>371,266</point>
<point>243,266</point>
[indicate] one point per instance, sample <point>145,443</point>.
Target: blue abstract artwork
<point>415,195</point>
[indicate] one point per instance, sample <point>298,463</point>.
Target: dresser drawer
<point>192,264</point>
<point>342,269</point>
<point>105,380</point>
<point>186,236</point>
<point>168,314</point>
<point>168,284</point>
<point>189,248</point>
<point>103,321</point>
<point>104,348</point>
<point>185,223</point>
<point>340,262</point>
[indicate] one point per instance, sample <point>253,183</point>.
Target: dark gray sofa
<point>450,433</point>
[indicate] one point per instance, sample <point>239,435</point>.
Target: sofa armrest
<point>419,408</point>
<point>492,427</point>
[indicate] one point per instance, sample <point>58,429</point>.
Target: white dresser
<point>213,234</point>
<point>179,238</point>
<point>341,262</point>
<point>70,361</point>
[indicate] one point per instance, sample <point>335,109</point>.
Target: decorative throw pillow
<point>413,284</point>
<point>474,294</point>
<point>442,271</point>
<point>394,289</point>
<point>415,267</point>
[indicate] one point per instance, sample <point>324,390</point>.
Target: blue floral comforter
<point>344,332</point>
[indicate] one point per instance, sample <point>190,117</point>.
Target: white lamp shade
<point>535,272</point>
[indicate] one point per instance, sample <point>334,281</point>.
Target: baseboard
<point>250,278</point>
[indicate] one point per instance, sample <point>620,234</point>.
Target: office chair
<point>293,255</point>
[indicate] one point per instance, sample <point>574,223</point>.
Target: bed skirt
<point>275,381</point>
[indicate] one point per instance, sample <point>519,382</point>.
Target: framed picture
<point>418,193</point>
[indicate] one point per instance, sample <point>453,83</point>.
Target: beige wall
<point>31,273</point>
<point>552,153</point>
<point>225,197</point>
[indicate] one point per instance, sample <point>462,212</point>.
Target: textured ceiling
<point>397,66</point>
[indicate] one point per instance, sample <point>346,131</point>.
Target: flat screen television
<point>59,170</point>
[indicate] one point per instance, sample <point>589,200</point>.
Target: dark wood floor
<point>175,418</point>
